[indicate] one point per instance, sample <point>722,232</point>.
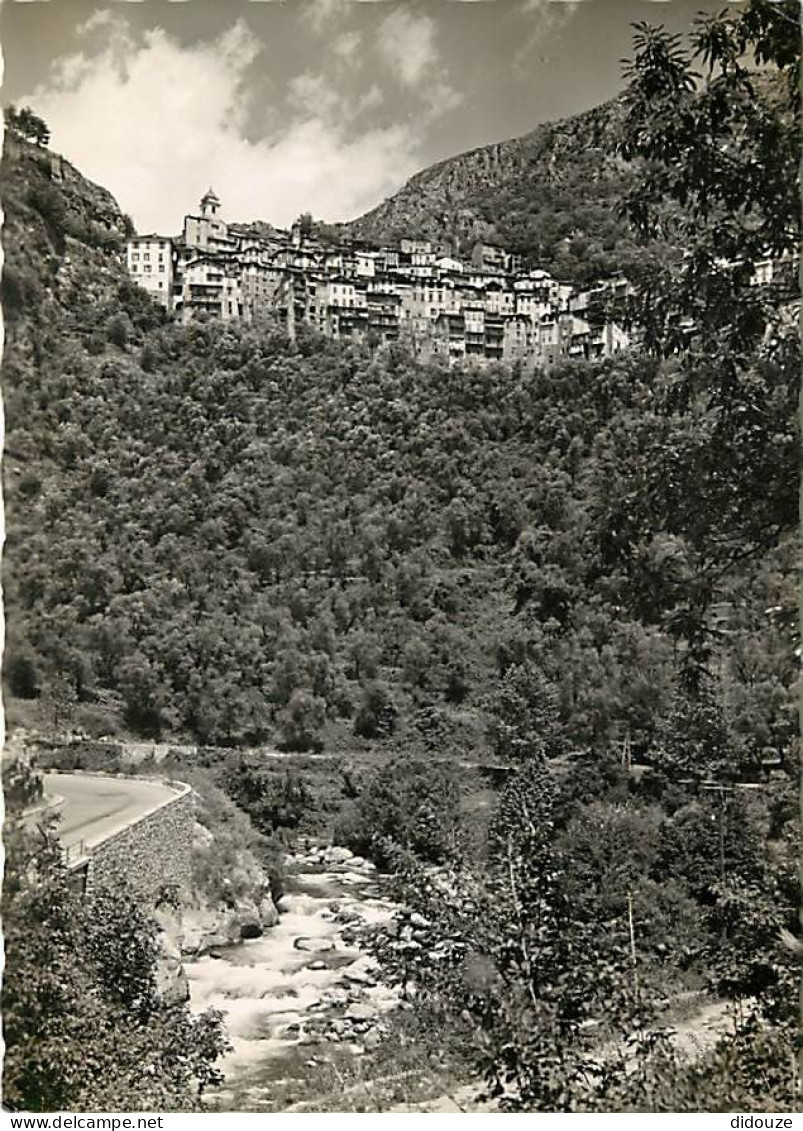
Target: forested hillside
<point>218,533</point>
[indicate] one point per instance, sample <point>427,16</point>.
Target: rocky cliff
<point>63,238</point>
<point>550,196</point>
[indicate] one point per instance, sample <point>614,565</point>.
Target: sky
<point>289,106</point>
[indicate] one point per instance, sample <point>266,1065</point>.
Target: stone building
<point>149,260</point>
<point>483,310</point>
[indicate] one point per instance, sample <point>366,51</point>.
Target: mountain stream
<point>303,997</point>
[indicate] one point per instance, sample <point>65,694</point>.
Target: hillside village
<point>491,308</point>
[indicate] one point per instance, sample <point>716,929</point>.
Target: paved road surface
<point>93,808</point>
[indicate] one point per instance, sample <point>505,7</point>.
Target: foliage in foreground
<point>552,958</point>
<point>552,954</point>
<point>84,1026</point>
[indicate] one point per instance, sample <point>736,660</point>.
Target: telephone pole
<point>631,926</point>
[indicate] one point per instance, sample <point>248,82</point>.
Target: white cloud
<point>372,98</point>
<point>313,96</point>
<point>541,18</point>
<point>320,13</point>
<point>346,44</point>
<point>407,43</point>
<point>538,5</point>
<point>157,122</point>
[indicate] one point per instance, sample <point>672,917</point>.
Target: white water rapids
<point>286,1006</point>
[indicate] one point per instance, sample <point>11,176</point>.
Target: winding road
<point>93,807</point>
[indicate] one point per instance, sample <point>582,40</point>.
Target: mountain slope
<point>215,532</point>
<point>549,196</point>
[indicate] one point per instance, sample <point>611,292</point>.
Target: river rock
<point>362,972</point>
<point>246,921</point>
<point>268,912</point>
<point>198,942</point>
<point>308,944</point>
<point>339,855</point>
<point>172,984</point>
<point>360,1011</point>
<point>372,1039</point>
<point>318,964</point>
<point>201,836</point>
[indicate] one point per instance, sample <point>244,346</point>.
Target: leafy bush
<point>410,805</point>
<point>77,969</point>
<point>276,799</point>
<point>118,330</point>
<point>22,674</point>
<point>376,715</point>
<point>22,783</point>
<point>231,864</point>
<point>301,721</point>
<point>48,202</point>
<point>524,723</point>
<point>21,290</point>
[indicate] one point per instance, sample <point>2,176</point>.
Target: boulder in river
<point>360,1011</point>
<point>246,921</point>
<point>268,913</point>
<point>304,942</point>
<point>339,855</point>
<point>361,972</point>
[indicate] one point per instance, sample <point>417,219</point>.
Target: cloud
<point>541,18</point>
<point>313,96</point>
<point>407,43</point>
<point>347,44</point>
<point>322,14</point>
<point>157,121</point>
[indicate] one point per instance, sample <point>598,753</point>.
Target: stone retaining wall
<point>149,855</point>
